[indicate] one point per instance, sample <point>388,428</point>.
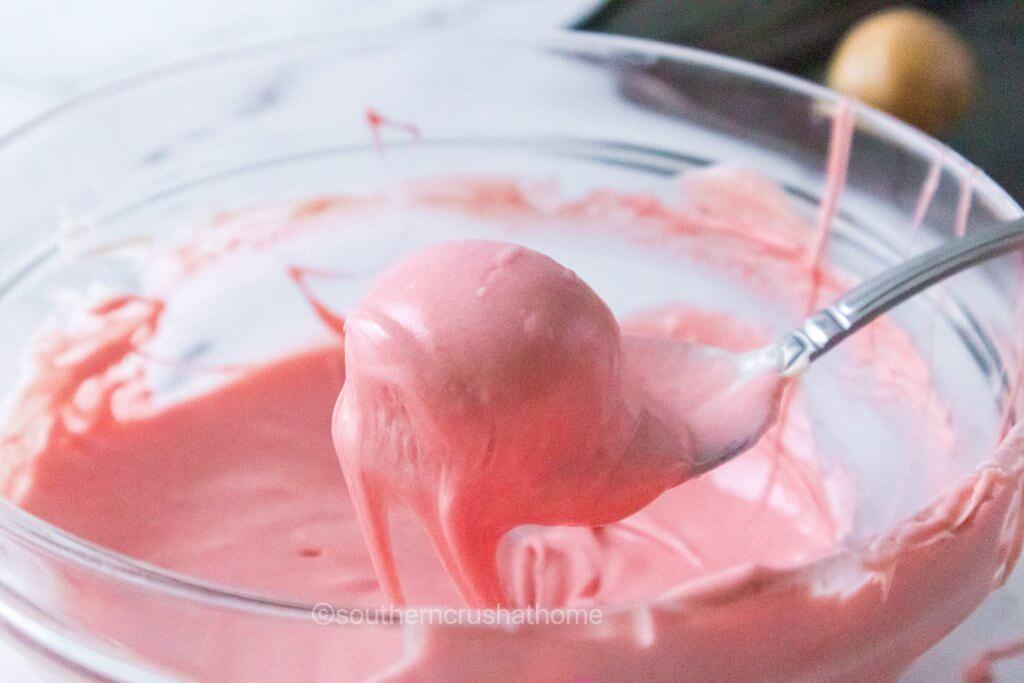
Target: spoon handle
<point>873,297</point>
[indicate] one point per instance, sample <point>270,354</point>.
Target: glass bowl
<point>133,162</point>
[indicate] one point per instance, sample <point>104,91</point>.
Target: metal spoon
<point>729,414</point>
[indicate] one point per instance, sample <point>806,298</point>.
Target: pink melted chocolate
<point>487,387</point>
<point>740,573</point>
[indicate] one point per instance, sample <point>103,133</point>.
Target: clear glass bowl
<point>141,158</point>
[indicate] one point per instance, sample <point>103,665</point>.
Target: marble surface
<point>51,50</point>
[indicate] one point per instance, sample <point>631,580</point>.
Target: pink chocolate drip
<point>982,669</point>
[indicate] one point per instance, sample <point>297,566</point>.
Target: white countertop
<point>51,50</point>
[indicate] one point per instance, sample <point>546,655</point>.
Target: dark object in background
<point>792,35</point>
<point>799,36</point>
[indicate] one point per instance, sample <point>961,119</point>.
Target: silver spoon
<point>726,417</point>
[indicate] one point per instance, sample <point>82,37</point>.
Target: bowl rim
<point>66,547</point>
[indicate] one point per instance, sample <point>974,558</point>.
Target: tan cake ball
<point>908,63</point>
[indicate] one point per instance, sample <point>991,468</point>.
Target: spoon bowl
<point>739,396</point>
